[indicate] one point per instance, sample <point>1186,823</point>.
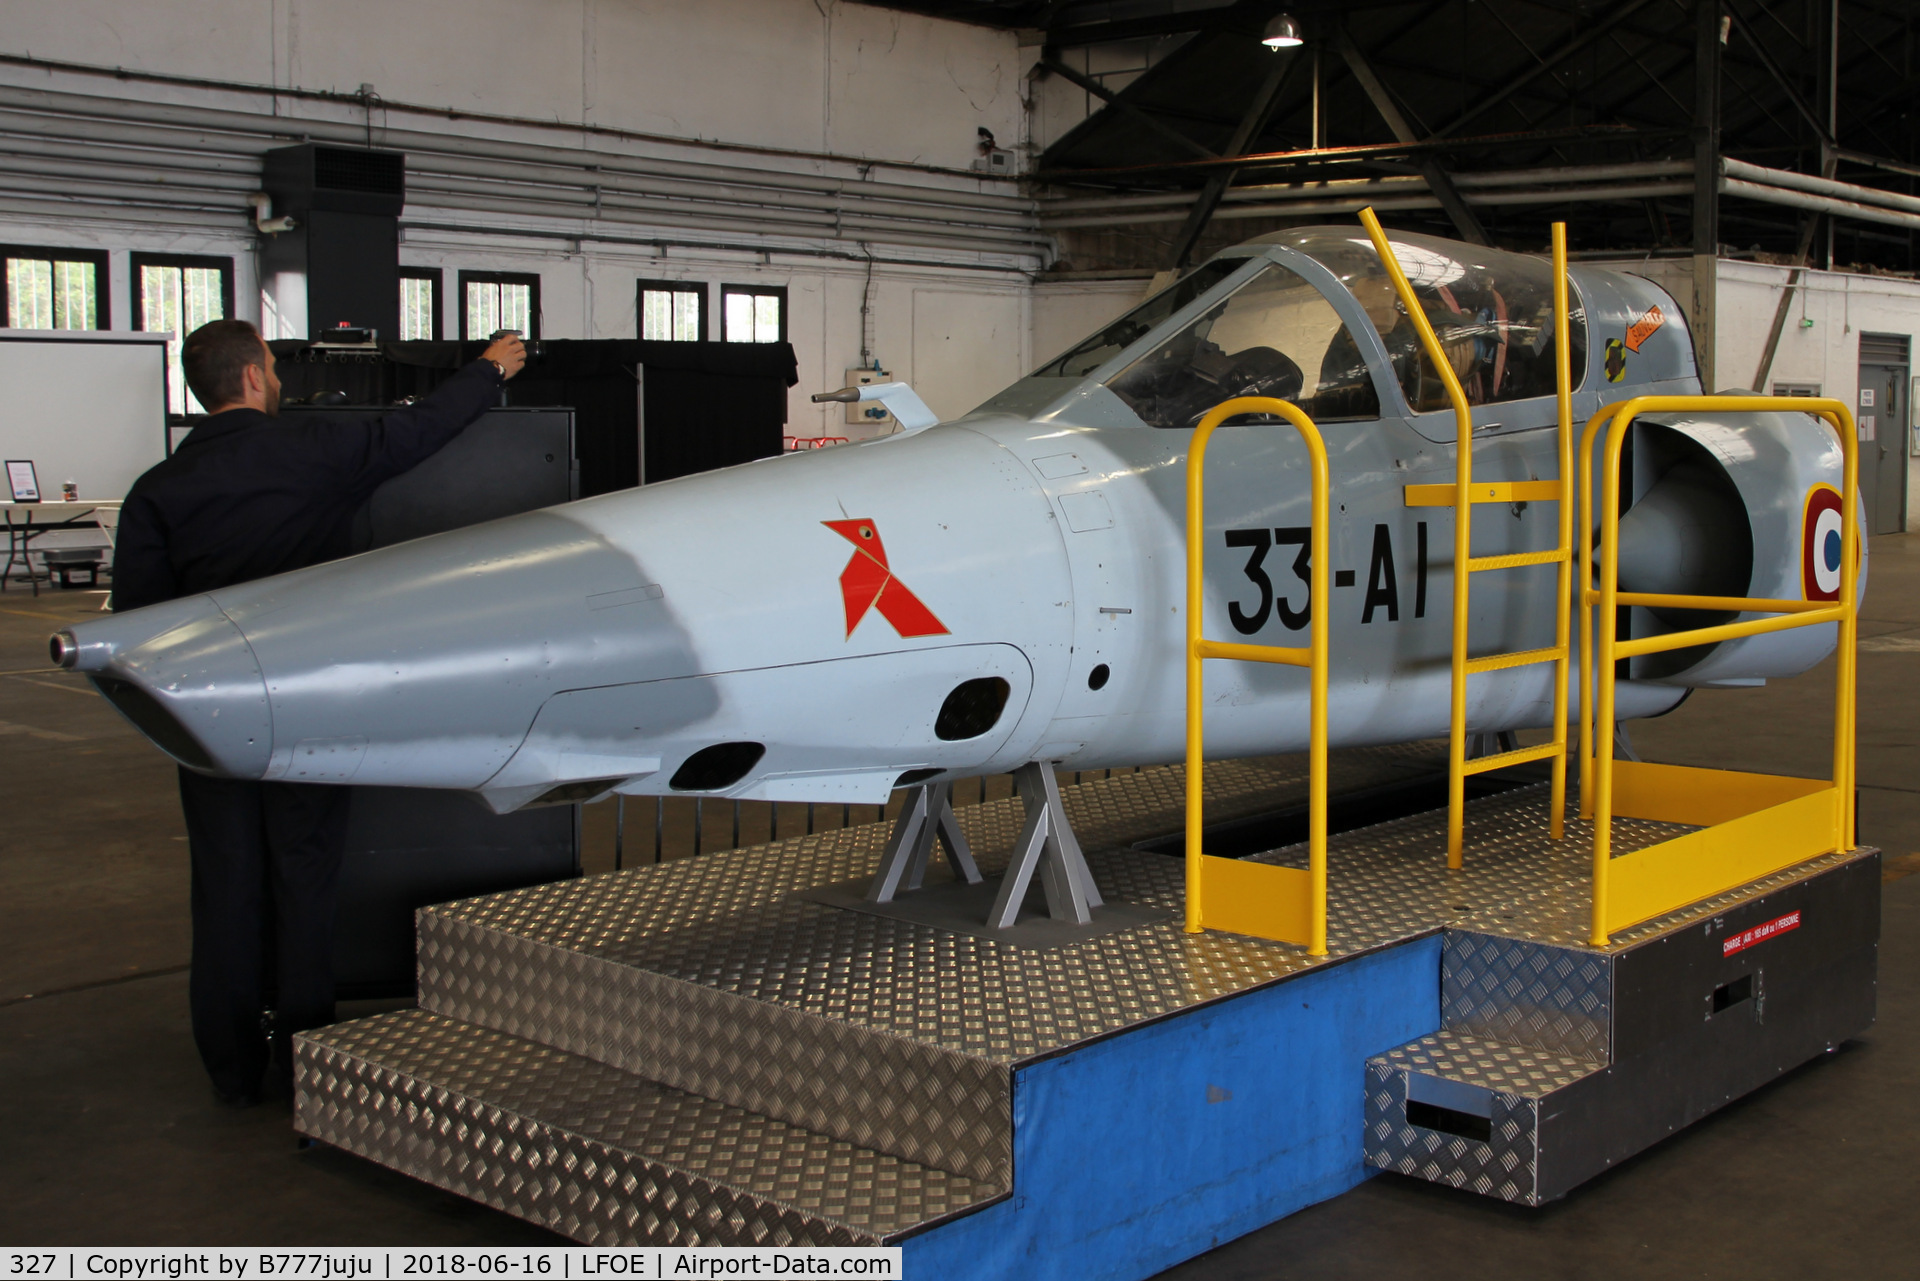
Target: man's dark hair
<point>215,358</point>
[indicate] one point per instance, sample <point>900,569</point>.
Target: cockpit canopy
<point>1274,333</point>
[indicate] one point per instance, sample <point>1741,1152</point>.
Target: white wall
<point>1063,314</point>
<point>958,336</point>
<point>836,85</point>
<point>1840,305</point>
<point>848,79</point>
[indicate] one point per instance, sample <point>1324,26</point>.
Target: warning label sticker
<point>1644,328</point>
<point>1759,934</point>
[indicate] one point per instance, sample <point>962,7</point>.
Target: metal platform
<point>695,1053</point>
<point>1556,1060</point>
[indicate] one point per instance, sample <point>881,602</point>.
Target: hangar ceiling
<point>1500,114</point>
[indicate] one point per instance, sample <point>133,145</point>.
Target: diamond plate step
<point>1466,1111</point>
<point>1545,995</point>
<point>596,1154</point>
<point>1556,1060</point>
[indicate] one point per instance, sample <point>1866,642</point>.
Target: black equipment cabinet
<point>409,847</point>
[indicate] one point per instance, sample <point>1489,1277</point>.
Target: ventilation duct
<point>340,264</point>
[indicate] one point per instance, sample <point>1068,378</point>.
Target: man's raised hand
<point>509,353</point>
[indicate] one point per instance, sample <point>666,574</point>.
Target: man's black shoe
<point>238,1098</point>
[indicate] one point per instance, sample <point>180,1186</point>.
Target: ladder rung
<point>1493,491</point>
<point>1516,560</point>
<point>1519,658</point>
<point>1481,764</point>
<point>1255,653</point>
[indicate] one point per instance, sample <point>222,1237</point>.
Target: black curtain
<point>708,404</point>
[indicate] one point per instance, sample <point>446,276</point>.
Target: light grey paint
<point>1045,534</point>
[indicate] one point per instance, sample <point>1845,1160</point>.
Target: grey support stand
<point>925,818</point>
<point>1047,845</point>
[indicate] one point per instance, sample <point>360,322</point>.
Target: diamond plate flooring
<point>595,1153</point>
<point>708,978</point>
<point>729,923</point>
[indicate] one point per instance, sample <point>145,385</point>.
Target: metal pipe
<point>133,193</point>
<point>1398,183</point>
<point>111,212</point>
<point>29,142</point>
<point>19,162</point>
<point>124,198</point>
<point>214,142</point>
<point>271,127</point>
<point>1818,204</point>
<point>218,192</point>
<point>1581,195</point>
<point>848,230</point>
<point>1569,195</point>
<point>501,196</point>
<point>446,170</point>
<point>281,93</point>
<point>1847,191</point>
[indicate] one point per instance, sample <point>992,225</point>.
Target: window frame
<point>137,285</point>
<point>102,279</point>
<point>531,278</point>
<point>753,291</point>
<point>437,277</point>
<point>701,287</point>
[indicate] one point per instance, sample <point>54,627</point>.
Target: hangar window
<point>1275,336</point>
<point>1492,311</point>
<point>176,294</point>
<point>673,310</point>
<point>495,300</point>
<point>754,313</point>
<point>419,304</point>
<point>54,288</point>
<point>1096,351</point>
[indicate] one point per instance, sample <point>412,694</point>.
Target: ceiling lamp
<point>1283,32</point>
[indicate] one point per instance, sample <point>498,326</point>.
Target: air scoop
<point>186,678</point>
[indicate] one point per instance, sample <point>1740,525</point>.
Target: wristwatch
<point>498,368</point>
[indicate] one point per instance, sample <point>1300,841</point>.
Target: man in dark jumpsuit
<point>245,496</point>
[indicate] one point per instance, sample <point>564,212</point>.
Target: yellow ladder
<point>1461,495</point>
<point>1235,895</point>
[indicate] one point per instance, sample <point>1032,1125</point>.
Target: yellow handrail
<point>1598,660</point>
<point>1313,658</point>
<point>1563,596</point>
<point>1465,564</point>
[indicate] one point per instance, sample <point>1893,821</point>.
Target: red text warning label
<point>1759,934</point>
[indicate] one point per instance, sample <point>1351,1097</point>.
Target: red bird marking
<point>868,583</point>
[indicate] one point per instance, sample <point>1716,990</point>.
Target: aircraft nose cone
<point>187,679</point>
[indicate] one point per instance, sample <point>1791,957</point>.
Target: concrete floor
<point>112,1137</point>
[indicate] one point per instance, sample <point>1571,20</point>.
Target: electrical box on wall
<point>868,413</point>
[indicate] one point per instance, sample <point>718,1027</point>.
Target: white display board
<point>85,406</point>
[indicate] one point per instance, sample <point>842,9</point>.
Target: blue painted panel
<point>1151,1147</point>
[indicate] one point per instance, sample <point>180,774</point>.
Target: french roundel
<point>1820,545</point>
